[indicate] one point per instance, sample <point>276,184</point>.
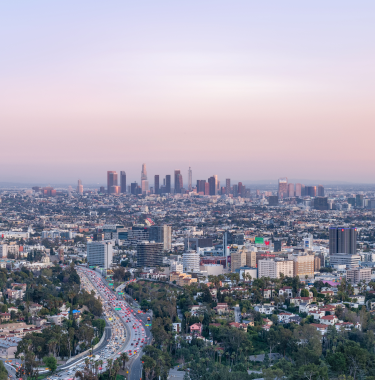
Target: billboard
<point>259,240</point>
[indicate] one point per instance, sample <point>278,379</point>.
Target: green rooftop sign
<point>259,240</point>
<point>110,284</point>
<point>117,308</point>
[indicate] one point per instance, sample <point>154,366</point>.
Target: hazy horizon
<point>241,89</point>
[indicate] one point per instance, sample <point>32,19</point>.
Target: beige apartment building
<point>355,276</point>
<point>251,259</point>
<point>237,260</point>
<point>303,266</point>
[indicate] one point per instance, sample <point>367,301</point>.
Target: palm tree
<point>187,316</point>
<point>124,357</point>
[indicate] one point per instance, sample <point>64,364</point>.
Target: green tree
<point>50,362</point>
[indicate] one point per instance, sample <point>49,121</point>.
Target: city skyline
<point>249,90</point>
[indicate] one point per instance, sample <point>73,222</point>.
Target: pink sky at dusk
<point>244,89</point>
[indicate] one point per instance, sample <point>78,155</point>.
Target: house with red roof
<point>196,329</point>
<point>329,320</point>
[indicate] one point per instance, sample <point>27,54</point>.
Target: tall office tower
<point>235,190</point>
<point>298,190</point>
<point>217,183</point>
<point>144,172</point>
<point>206,188</point>
<point>212,185</point>
<point>149,254</point>
<point>134,188</point>
<point>111,180</point>
<point>190,179</point>
<point>102,189</point>
<point>239,188</point>
<point>178,183</point>
<point>359,200</point>
<point>342,240</point>
<point>320,191</point>
<point>156,184</point>
<point>201,186</point>
<point>283,187</point>
<point>161,234</point>
<point>291,190</point>
<point>168,183</point>
<point>310,191</point>
<point>80,187</point>
<point>190,261</point>
<point>145,188</point>
<point>114,190</point>
<point>100,253</point>
<point>227,186</point>
<point>303,190</point>
<point>123,182</point>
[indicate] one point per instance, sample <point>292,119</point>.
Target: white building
<point>190,261</point>
<point>100,253</point>
<point>176,266</point>
<point>273,268</point>
<point>350,261</point>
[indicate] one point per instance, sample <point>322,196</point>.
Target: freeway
<point>126,318</point>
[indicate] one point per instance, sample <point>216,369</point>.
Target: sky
<point>248,90</point>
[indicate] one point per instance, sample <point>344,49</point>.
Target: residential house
<point>35,308</point>
<point>330,320</point>
<point>265,309</point>
<point>322,328</point>
<point>176,327</point>
<point>285,317</point>
<point>221,308</point>
<point>241,326</point>
<point>196,329</point>
<point>5,317</point>
<point>286,291</point>
<point>317,314</point>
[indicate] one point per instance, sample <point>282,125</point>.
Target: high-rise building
<point>303,266</point>
<point>178,182</point>
<point>156,184</point>
<point>134,188</point>
<point>80,187</point>
<point>149,254</point>
<point>359,200</point>
<point>235,190</point>
<point>206,188</point>
<point>291,190</point>
<point>303,190</point>
<point>251,259</point>
<point>161,234</point>
<point>212,185</point>
<point>190,261</point>
<point>190,179</point>
<point>310,191</point>
<point>145,188</point>
<point>100,253</point>
<point>111,180</point>
<point>122,182</point>
<point>283,187</point>
<point>227,186</point>
<point>201,186</point>
<point>321,203</point>
<point>342,240</point>
<point>237,260</point>
<point>273,200</point>
<point>320,191</point>
<point>239,188</point>
<point>114,190</point>
<point>143,172</point>
<point>168,183</point>
<point>298,190</point>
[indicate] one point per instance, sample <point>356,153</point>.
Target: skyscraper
<point>359,200</point>
<point>212,185</point>
<point>168,183</point>
<point>149,254</point>
<point>311,191</point>
<point>235,190</point>
<point>178,182</point>
<point>156,184</point>
<point>111,180</point>
<point>320,191</point>
<point>80,187</point>
<point>298,190</point>
<point>161,234</point>
<point>143,172</point>
<point>227,186</point>
<point>240,188</point>
<point>190,179</point>
<point>123,182</point>
<point>342,240</point>
<point>283,187</point>
<point>291,190</point>
<point>201,185</point>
